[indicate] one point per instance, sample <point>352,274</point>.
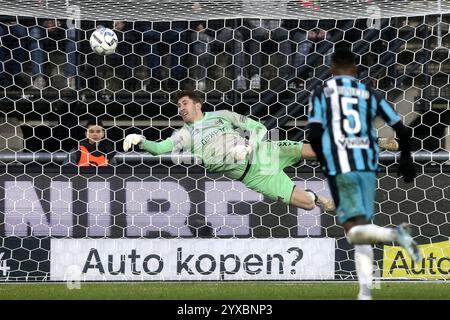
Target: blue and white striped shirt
<point>346,109</point>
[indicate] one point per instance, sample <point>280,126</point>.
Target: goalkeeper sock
<point>364,270</point>
<point>370,234</point>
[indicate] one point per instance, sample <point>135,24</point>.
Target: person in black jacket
<point>95,150</point>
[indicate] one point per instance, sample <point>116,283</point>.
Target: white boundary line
<point>281,282</point>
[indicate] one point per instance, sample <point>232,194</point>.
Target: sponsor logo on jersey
<point>354,142</point>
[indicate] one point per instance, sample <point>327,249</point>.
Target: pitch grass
<point>222,291</point>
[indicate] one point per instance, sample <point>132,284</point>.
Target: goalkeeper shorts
<point>354,194</point>
<point>266,174</point>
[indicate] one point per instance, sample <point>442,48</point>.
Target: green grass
<point>222,291</point>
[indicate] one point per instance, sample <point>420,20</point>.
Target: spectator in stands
<point>100,70</point>
<point>45,37</point>
<point>200,46</point>
<point>168,46</point>
<point>257,31</point>
<point>22,42</point>
<point>208,40</point>
<point>95,150</point>
<point>305,43</point>
<point>13,49</point>
<point>122,61</point>
<point>73,57</point>
<point>124,57</point>
<point>263,37</point>
<point>207,45</point>
<point>40,45</point>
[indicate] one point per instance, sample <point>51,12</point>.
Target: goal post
<point>165,218</point>
<point>174,10</point>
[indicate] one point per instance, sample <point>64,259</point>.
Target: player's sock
<point>370,234</point>
<point>364,270</point>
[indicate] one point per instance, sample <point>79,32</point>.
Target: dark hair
<point>192,94</point>
<point>343,57</point>
<point>94,122</point>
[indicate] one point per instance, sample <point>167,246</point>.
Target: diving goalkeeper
<point>217,139</point>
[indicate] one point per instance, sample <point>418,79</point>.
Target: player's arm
<point>180,140</point>
<point>406,166</point>
<point>155,148</point>
<point>315,121</point>
<point>256,129</point>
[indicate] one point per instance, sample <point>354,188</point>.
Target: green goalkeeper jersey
<point>212,139</point>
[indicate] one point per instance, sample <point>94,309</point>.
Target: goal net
<point>144,217</point>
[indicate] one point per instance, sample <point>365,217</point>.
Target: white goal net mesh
<point>258,58</point>
<point>172,10</point>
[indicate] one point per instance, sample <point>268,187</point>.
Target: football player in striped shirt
<point>343,136</point>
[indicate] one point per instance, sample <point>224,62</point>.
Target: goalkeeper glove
<point>132,139</point>
<point>239,152</point>
<point>406,167</point>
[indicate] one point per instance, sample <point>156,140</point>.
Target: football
<point>103,41</point>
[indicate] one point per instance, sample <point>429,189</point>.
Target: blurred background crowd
<point>53,83</point>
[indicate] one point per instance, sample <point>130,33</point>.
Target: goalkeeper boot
<point>389,144</point>
<point>405,240</point>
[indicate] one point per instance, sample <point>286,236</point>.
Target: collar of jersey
<point>345,76</point>
<point>198,121</point>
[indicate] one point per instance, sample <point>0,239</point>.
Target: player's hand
<point>132,140</point>
<point>389,144</point>
<point>239,152</point>
<point>406,167</point>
